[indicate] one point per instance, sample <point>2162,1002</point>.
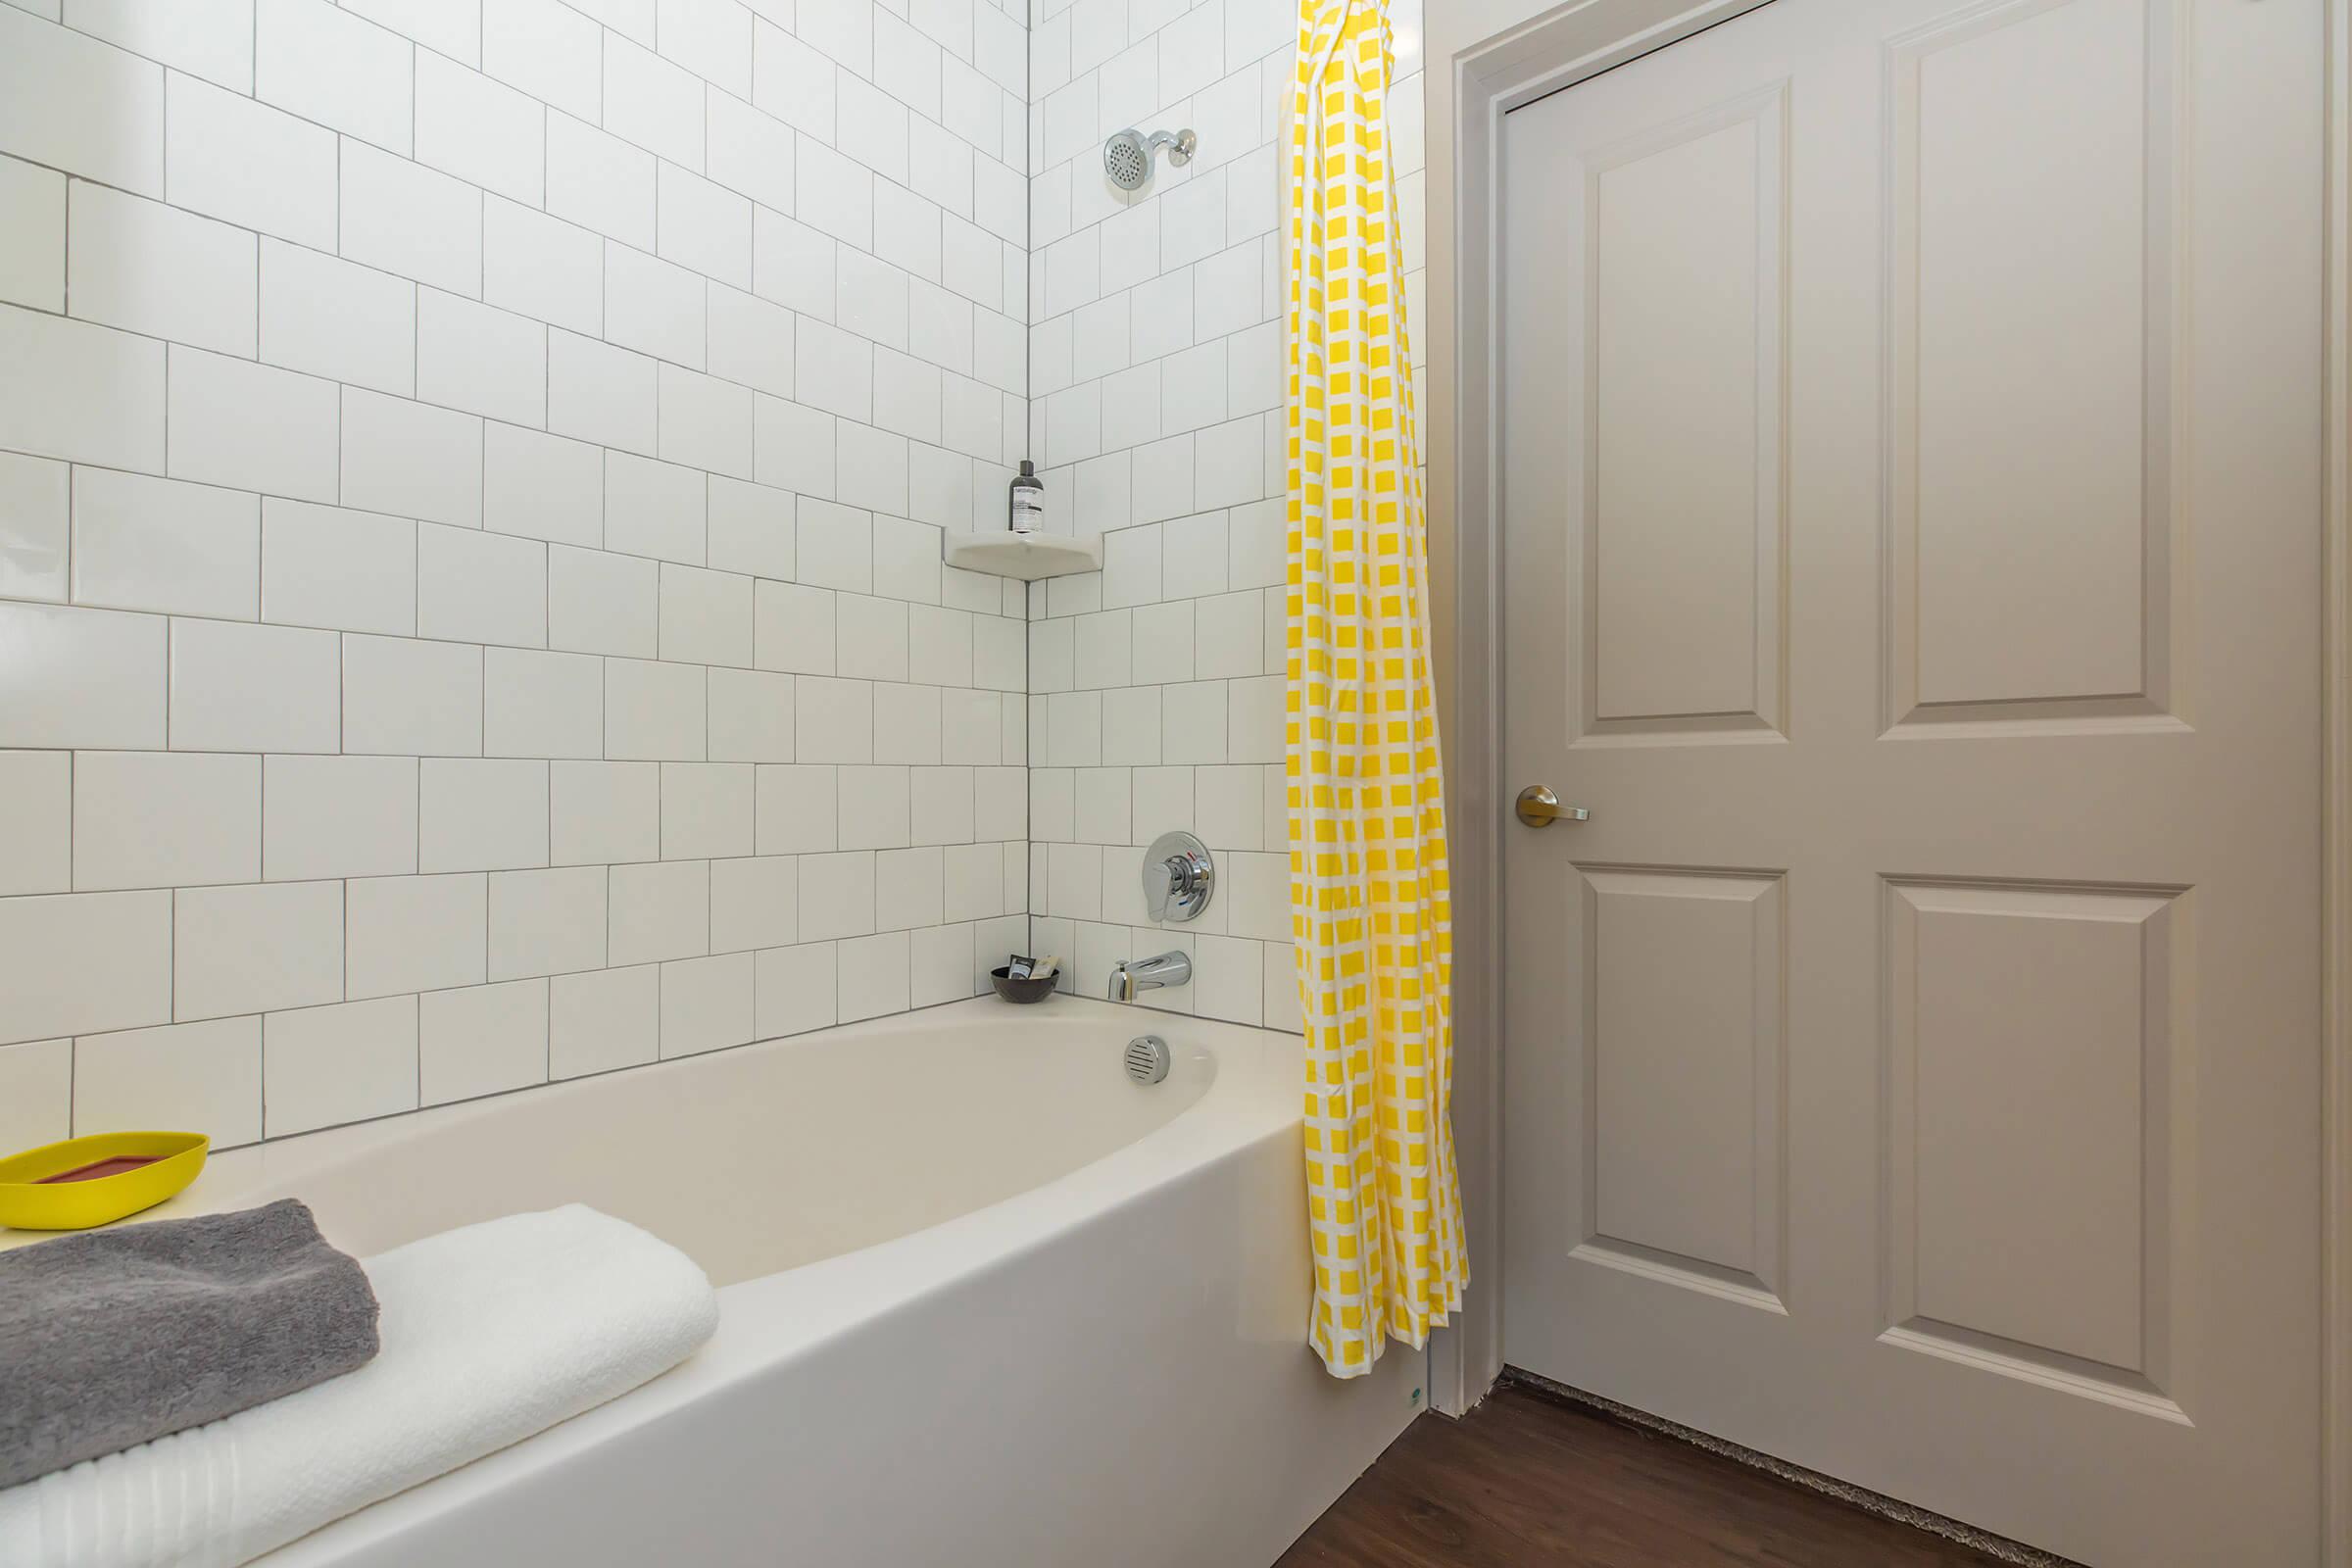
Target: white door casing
<point>1910,542</point>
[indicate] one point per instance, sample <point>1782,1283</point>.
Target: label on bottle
<point>1028,509</point>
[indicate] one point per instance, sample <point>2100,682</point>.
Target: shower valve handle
<point>1177,878</point>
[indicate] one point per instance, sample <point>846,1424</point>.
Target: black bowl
<point>1012,990</point>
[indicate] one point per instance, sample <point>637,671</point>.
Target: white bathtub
<point>983,1300</point>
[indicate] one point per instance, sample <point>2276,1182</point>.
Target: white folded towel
<point>490,1333</point>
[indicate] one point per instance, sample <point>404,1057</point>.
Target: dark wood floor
<point>1528,1481</point>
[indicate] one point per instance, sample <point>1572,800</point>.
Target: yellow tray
<point>30,1201</point>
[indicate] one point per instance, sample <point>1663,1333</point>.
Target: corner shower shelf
<point>1026,556</point>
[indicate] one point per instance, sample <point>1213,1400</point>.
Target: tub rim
<point>254,1172</point>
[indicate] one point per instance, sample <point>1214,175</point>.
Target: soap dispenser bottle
<point>1028,498</point>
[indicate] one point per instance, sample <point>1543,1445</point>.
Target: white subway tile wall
<point>471,602</point>
<point>1155,378</point>
<point>472,479</point>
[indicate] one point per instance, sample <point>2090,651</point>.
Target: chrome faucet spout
<point>1131,975</point>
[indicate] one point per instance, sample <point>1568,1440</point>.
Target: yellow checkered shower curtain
<point>1369,915</point>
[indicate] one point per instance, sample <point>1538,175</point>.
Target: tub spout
<point>1131,975</point>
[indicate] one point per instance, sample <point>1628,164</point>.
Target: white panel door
<point>1911,539</point>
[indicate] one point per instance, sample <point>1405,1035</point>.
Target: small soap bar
<point>104,1167</point>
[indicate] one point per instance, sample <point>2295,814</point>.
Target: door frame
<point>1510,69</point>
<point>2335,809</point>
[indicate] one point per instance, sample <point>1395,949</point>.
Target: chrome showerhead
<point>1127,160</point>
<point>1127,156</point>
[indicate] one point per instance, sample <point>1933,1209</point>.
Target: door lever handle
<point>1540,808</point>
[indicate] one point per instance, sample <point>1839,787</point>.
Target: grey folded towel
<point>115,1337</point>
